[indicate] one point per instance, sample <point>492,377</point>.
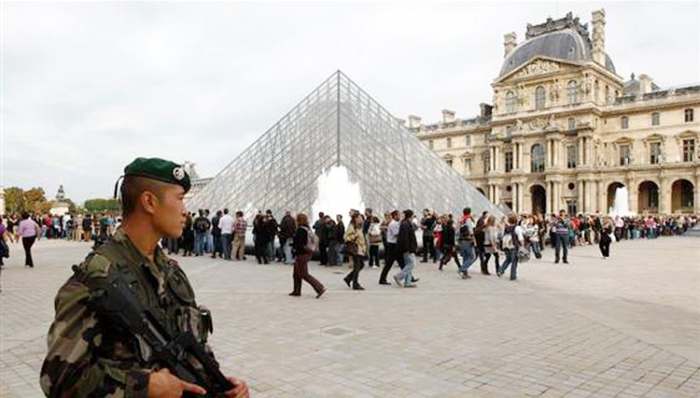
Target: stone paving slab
<point>624,327</point>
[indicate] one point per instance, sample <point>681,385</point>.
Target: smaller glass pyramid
<point>337,124</point>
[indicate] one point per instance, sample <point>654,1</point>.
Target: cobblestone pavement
<point>625,327</point>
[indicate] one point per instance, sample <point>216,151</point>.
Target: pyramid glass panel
<point>339,124</point>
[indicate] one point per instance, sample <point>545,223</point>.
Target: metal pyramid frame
<point>338,123</point>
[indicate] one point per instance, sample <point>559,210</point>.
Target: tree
<point>101,205</point>
<point>14,200</point>
<point>35,201</point>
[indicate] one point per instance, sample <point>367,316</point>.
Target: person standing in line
<point>332,236</point>
<point>561,230</point>
<point>374,235</point>
<point>87,228</point>
<point>239,229</point>
<point>201,229</point>
<point>448,245</point>
<point>319,227</point>
<point>511,242</point>
<point>407,247</point>
<point>340,238</point>
<point>286,236</point>
<point>427,225</point>
<point>390,251</point>
<point>466,242</point>
<point>30,231</point>
<point>605,239</point>
<point>490,244</point>
<point>188,235</point>
<point>259,238</point>
<point>304,247</point>
<point>216,235</point>
<point>226,226</point>
<point>355,244</point>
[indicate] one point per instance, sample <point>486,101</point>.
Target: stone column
<point>579,150</point>
<point>633,198</point>
<point>496,196</point>
<point>580,199</point>
<point>696,195</point>
<point>665,196</point>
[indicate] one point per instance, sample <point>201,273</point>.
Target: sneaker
<point>465,275</point>
<point>397,280</point>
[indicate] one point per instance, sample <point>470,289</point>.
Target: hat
<point>160,170</point>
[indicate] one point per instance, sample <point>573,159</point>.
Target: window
<point>510,102</point>
<point>449,162</point>
<point>607,94</point>
<point>624,122</point>
<point>537,158</point>
<point>539,98</point>
<point>467,166</point>
<point>572,124</point>
<point>688,150</point>
<point>571,156</point>
<point>509,161</point>
<point>655,153</point>
<point>449,142</point>
<point>431,145</point>
<point>624,155</point>
<point>467,140</point>
<point>571,91</point>
<point>571,206</point>
<point>688,115</point>
<point>655,118</point>
<point>596,91</point>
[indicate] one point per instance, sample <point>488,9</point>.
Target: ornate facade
<point>564,130</point>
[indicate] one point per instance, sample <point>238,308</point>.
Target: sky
<point>87,87</point>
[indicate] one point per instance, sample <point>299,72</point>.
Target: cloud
<point>89,86</point>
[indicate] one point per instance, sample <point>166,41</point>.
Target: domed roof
<point>565,44</point>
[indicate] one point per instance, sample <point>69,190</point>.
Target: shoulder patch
<point>96,265</point>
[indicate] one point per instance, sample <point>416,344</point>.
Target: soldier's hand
<point>239,391</point>
<point>163,384</point>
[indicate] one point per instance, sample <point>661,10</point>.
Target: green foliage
<point>32,200</point>
<point>100,205</point>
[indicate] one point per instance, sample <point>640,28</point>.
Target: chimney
<point>509,43</point>
<point>644,84</point>
<point>598,36</point>
<point>414,121</point>
<point>486,110</point>
<point>448,116</point>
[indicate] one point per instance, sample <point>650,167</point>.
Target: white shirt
<point>392,231</point>
<point>226,224</point>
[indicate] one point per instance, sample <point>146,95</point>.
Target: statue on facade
<point>60,195</point>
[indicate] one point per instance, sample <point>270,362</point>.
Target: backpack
<point>465,232</point>
<point>509,240</point>
<point>310,240</point>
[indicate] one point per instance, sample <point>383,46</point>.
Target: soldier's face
<point>170,214</point>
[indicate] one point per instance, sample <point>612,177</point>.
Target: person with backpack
<point>466,242</point>
<point>511,242</point>
<point>374,236</point>
<point>305,242</point>
<point>201,229</point>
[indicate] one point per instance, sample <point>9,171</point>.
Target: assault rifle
<point>114,300</point>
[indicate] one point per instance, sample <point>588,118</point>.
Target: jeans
<point>561,241</point>
<point>466,249</point>
<point>535,248</point>
<point>226,243</point>
<point>200,241</point>
<point>512,260</point>
<point>209,243</point>
<point>287,250</point>
<point>339,252</point>
<point>409,260</point>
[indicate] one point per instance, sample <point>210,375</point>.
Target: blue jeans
<point>561,241</point>
<point>406,273</point>
<point>535,248</point>
<point>466,249</point>
<point>287,249</point>
<point>512,260</point>
<point>200,241</point>
<point>209,243</point>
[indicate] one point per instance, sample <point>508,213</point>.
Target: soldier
<point>87,357</point>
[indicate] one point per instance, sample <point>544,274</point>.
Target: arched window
<point>537,158</point>
<point>510,102</point>
<point>539,98</point>
<point>571,91</point>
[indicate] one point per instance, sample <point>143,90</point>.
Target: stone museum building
<point>564,130</point>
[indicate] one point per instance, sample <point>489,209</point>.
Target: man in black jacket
<point>287,229</point>
<point>216,235</point>
<point>407,246</point>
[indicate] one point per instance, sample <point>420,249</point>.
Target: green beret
<point>159,169</point>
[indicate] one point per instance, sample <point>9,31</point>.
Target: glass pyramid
<point>338,123</point>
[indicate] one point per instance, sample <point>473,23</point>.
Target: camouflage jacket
<point>87,358</point>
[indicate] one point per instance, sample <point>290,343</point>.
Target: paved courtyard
<point>625,327</point>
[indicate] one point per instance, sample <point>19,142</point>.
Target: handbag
<point>351,248</point>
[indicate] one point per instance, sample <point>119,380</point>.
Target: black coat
<point>301,238</point>
<point>406,241</point>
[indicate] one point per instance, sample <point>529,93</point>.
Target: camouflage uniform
<point>87,358</point>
